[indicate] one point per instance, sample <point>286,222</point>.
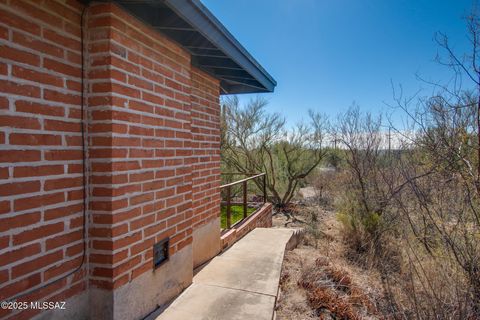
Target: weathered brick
<point>35,171</point>
<point>4,242</point>
<point>62,212</point>
<point>15,188</point>
<point>20,286</point>
<point>73,44</point>
<point>75,168</point>
<point>63,126</point>
<point>4,104</point>
<point>37,233</point>
<point>55,155</point>
<point>4,173</point>
<point>4,277</point>
<point>37,45</point>
<point>37,13</point>
<point>62,68</point>
<point>19,155</point>
<point>20,253</point>
<point>74,250</point>
<point>35,139</point>
<point>41,77</point>
<point>127,241</point>
<point>19,122</point>
<point>142,222</point>
<point>58,96</point>
<point>37,263</point>
<point>17,55</point>
<point>63,183</point>
<point>65,239</point>
<point>38,201</point>
<point>38,108</point>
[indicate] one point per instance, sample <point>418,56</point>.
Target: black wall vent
<point>160,252</point>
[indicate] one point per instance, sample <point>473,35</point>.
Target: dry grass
<point>318,281</point>
<point>331,290</point>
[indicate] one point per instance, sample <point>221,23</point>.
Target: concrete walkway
<point>241,283</point>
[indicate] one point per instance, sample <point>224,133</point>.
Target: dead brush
<point>344,282</point>
<point>326,298</point>
<point>331,288</point>
<point>339,277</point>
<point>284,278</point>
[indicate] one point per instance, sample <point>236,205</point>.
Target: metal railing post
<point>264,188</point>
<point>244,199</point>
<point>244,203</point>
<point>229,214</point>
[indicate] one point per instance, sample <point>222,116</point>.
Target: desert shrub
<point>325,184</point>
<point>254,141</point>
<point>371,178</point>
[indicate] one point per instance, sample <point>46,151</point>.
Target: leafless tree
<point>442,206</point>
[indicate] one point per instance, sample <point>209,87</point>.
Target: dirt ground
<point>318,281</point>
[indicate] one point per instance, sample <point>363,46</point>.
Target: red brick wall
<point>40,149</point>
<point>205,112</point>
<point>140,145</point>
<point>152,133</point>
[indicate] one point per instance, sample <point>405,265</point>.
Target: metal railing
<point>232,195</point>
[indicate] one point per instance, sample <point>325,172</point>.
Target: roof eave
<point>195,13</point>
<point>236,69</point>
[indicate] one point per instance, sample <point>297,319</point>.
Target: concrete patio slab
<point>241,283</point>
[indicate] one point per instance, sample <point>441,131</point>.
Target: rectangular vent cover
<point>160,252</point>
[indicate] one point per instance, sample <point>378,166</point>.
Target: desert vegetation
<point>256,141</point>
<point>407,214</point>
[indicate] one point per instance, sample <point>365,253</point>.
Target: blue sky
<point>326,54</point>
